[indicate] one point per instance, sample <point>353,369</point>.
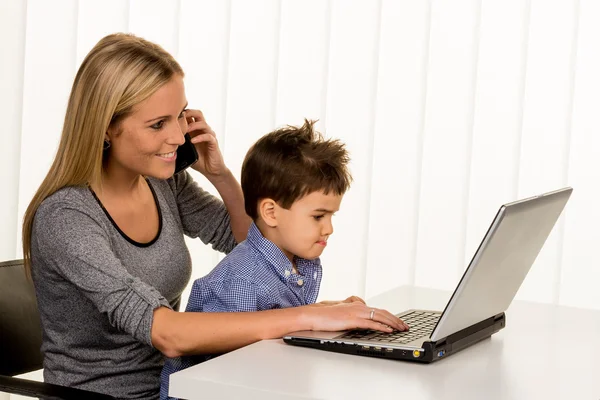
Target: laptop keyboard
<point>421,325</point>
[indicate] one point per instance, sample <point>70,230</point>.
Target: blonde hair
<point>121,71</point>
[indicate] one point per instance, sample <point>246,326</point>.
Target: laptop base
<point>430,351</point>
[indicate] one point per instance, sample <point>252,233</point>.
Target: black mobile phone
<point>186,154</point>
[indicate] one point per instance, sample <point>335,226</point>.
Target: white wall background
<point>449,108</point>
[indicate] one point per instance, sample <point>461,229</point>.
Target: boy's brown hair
<point>290,163</point>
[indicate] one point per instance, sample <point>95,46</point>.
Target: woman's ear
<point>113,131</point>
<point>267,211</point>
<point>109,134</point>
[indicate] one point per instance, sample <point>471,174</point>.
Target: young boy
<point>293,182</point>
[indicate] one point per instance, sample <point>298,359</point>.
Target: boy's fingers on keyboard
<point>374,325</point>
<point>387,318</point>
<point>404,323</point>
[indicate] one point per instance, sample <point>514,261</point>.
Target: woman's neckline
<point>123,234</point>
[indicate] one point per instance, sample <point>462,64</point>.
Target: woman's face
<point>146,141</point>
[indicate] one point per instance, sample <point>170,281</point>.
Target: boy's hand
<point>351,299</point>
<point>352,315</point>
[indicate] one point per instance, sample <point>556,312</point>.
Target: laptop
<point>476,309</point>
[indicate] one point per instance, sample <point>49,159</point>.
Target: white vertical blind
<point>303,62</point>
<point>447,137</point>
<point>156,20</point>
<point>495,152</point>
<point>448,109</point>
<point>546,126</point>
<point>97,19</point>
<point>579,263</point>
<point>12,54</point>
<point>252,76</point>
<point>397,144</point>
<point>50,48</point>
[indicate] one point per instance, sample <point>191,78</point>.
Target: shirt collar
<point>276,257</point>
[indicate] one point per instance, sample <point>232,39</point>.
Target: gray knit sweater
<point>97,288</point>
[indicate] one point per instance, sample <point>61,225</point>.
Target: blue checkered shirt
<point>255,276</point>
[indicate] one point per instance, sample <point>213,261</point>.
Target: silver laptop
<point>476,309</point>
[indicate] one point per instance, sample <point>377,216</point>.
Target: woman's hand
<point>210,164</point>
<point>352,315</point>
<point>210,160</point>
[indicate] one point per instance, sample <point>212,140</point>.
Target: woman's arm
<point>183,333</point>
<point>231,194</point>
<point>211,164</point>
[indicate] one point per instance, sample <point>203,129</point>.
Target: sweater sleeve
<point>74,246</point>
<point>202,215</point>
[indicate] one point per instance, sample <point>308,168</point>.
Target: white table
<point>545,352</point>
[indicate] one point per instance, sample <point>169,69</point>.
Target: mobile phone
<point>186,154</point>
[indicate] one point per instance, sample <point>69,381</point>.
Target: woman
<point>103,237</point>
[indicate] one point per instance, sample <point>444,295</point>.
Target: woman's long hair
<point>122,70</point>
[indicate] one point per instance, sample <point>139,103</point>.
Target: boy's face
<point>303,230</point>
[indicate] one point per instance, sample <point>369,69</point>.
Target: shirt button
<point>315,275</point>
<point>287,273</point>
<point>300,282</point>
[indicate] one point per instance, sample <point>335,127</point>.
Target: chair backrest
<point>20,330</point>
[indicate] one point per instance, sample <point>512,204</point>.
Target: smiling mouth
<point>166,155</point>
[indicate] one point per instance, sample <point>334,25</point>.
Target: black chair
<point>21,338</point>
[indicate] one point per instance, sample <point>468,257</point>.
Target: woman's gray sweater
<point>97,289</point>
